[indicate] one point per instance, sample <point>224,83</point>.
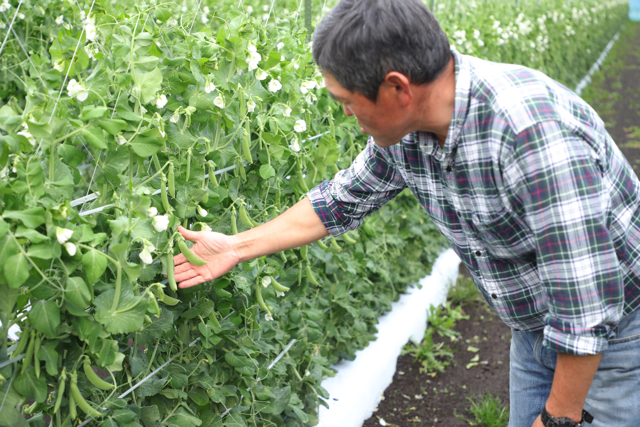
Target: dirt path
<point>415,399</point>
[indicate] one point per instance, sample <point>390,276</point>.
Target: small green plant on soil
<point>463,292</point>
<point>488,411</point>
<point>436,357</point>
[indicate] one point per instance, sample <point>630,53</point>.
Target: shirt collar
<point>460,109</point>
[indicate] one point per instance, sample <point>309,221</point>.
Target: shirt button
<point>494,296</point>
<point>478,253</point>
<point>448,169</point>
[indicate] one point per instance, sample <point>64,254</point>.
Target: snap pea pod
<point>22,343</point>
<point>240,169</point>
<point>172,181</point>
<point>28,357</point>
<point>80,401</point>
<point>188,164</point>
<point>73,412</point>
<point>349,239</point>
<point>322,245</point>
<point>94,378</point>
<point>246,142</point>
<point>277,286</point>
<point>260,300</point>
<point>170,273</point>
<point>304,250</point>
<point>283,257</point>
<point>214,319</point>
<point>334,244</point>
<point>245,218</point>
<point>61,388</point>
<point>163,194</point>
<point>310,276</point>
<point>36,361</point>
<point>190,256</point>
<point>234,221</point>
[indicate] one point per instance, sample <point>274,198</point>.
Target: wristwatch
<point>550,421</point>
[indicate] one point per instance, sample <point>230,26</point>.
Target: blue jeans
<point>614,396</point>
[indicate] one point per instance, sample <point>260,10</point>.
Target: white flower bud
<point>161,101</point>
<point>268,317</point>
<point>63,234</point>
<point>251,106</point>
<point>209,87</point>
<point>153,211</point>
<point>261,74</point>
<point>205,227</point>
<point>219,101</point>
<point>175,117</point>
<point>274,85</point>
<point>295,146</point>
<point>145,256</point>
<point>280,45</point>
<point>279,294</point>
<point>120,139</point>
<point>71,248</point>
<point>160,222</point>
<point>287,112</point>
<point>202,212</point>
<point>266,281</point>
<point>300,126</point>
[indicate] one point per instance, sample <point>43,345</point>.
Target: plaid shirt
<point>532,194</point>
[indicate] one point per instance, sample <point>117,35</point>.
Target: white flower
<point>205,227</point>
<point>204,19</point>
<point>287,112</point>
<point>209,86</point>
<point>145,256</point>
<point>261,74</point>
<point>60,20</point>
<point>152,211</point>
<point>162,132</point>
<point>251,106</point>
<point>295,65</point>
<point>5,6</point>
<point>143,110</point>
<point>307,86</point>
<point>175,117</point>
<point>268,317</point>
<point>2,24</point>
<point>82,15</point>
<point>219,101</point>
<point>21,16</point>
<point>310,98</point>
<point>91,31</point>
<point>295,146</point>
<point>184,8</point>
<point>300,126</point>
<point>254,57</point>
<point>161,101</point>
<point>279,294</point>
<point>266,281</point>
<point>202,212</point>
<point>282,58</point>
<point>161,222</point>
<point>28,135</point>
<point>71,248</point>
<point>77,90</point>
<point>63,234</point>
<point>274,85</point>
<point>121,140</point>
<point>91,52</point>
<point>280,45</point>
<point>206,9</point>
<point>249,10</point>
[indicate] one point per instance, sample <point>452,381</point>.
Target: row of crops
<point>121,120</point>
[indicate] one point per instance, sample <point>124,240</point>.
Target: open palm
<point>217,249</point>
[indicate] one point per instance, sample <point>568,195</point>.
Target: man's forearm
<point>296,227</point>
<point>571,383</point>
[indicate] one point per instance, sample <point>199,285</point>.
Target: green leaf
<point>32,218</point>
<point>10,416</point>
<point>77,292</point>
<point>95,138</point>
<point>3,227</point>
<point>47,250</point>
<point>45,317</point>
<point>94,265</point>
<point>113,126</point>
<point>234,419</point>
<point>91,112</point>
<point>146,84</point>
<point>183,419</point>
<point>146,146</point>
<point>129,313</point>
<point>29,233</point>
<point>16,270</point>
<point>267,171</point>
<point>29,385</point>
<point>8,247</point>
<point>49,355</point>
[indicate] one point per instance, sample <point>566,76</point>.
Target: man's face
<point>384,119</point>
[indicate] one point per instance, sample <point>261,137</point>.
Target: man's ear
<point>396,86</point>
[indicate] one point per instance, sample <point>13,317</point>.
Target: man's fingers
<point>179,259</point>
<point>188,234</point>
<point>186,275</point>
<point>192,282</point>
<point>181,268</point>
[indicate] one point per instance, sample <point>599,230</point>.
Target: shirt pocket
<point>504,235</point>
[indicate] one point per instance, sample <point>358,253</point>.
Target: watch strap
<point>550,421</point>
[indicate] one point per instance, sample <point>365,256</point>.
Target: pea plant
<point>120,121</point>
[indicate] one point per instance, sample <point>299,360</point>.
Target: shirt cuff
<point>579,345</point>
<point>332,216</point>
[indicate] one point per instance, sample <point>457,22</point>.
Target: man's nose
<point>347,110</point>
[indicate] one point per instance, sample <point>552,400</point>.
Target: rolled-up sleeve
<point>555,180</point>
<point>370,182</point>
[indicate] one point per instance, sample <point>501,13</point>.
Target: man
<point>516,171</point>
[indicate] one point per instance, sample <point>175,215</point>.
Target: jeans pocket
<point>624,339</point>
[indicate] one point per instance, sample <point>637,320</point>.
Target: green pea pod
<point>36,361</point>
<point>240,169</point>
<point>234,221</point>
<point>332,127</point>
<point>244,217</point>
<point>322,245</point>
<point>22,343</point>
<point>61,388</point>
<point>172,181</point>
<point>83,404</point>
<point>335,168</point>
<point>163,194</point>
<point>304,250</point>
<point>334,244</point>
<point>349,239</point>
<point>283,257</point>
<point>94,378</point>
<point>242,106</point>
<point>34,408</point>
<point>260,300</point>
<point>214,319</point>
<point>188,164</point>
<point>212,174</point>
<point>303,184</point>
<point>166,299</point>
<point>170,273</point>
<point>246,142</point>
<point>72,407</point>
<point>156,306</point>
<point>147,320</point>
<point>278,200</point>
<point>28,357</point>
<point>310,276</point>
<point>190,256</point>
<point>277,286</point>
<point>299,274</point>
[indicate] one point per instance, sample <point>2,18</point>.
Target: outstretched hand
<point>217,249</point>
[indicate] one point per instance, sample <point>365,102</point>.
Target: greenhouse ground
<point>417,399</point>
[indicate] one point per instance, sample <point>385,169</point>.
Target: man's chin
<point>384,142</point>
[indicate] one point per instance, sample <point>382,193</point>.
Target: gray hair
<point>360,41</point>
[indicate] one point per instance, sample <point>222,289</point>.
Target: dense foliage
<point>182,113</point>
